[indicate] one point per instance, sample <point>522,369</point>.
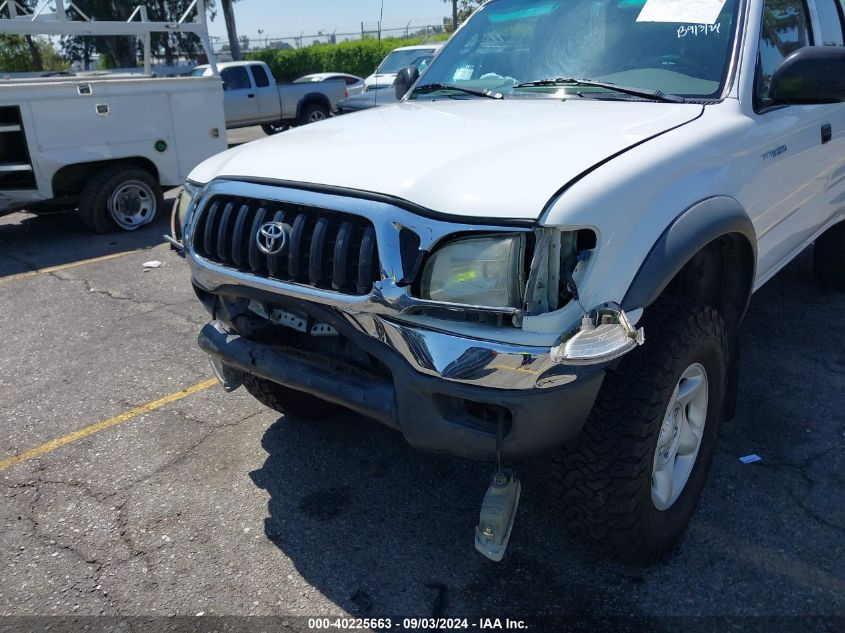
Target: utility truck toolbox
<point>552,252</point>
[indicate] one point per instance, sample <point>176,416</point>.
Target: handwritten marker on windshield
<point>750,459</point>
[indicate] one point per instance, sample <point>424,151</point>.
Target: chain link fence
<point>260,42</point>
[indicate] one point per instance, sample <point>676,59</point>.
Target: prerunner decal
<point>699,29</point>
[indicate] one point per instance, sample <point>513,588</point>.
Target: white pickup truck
<point>252,97</point>
<point>552,251</point>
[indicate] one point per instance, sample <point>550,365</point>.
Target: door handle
<point>251,95</point>
<point>827,133</point>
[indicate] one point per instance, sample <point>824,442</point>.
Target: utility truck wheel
<point>829,258</point>
<point>289,401</point>
<point>630,482</point>
<point>313,114</point>
<point>119,198</point>
<point>273,128</point>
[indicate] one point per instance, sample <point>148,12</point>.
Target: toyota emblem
<point>272,238</point>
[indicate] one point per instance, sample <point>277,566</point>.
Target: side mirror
<point>405,78</point>
<point>810,75</point>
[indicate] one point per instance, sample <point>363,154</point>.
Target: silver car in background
<point>395,61</point>
<point>354,84</point>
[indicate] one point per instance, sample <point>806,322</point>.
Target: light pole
<point>260,33</point>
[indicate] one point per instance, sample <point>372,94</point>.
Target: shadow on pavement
<point>381,529</point>
<point>29,242</point>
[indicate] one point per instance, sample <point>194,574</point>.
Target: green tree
<point>170,45</point>
<point>462,9</point>
<point>122,52</point>
<point>28,53</point>
<point>79,49</point>
<point>115,51</point>
<point>231,28</point>
<point>16,54</point>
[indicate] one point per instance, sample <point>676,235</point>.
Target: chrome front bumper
<point>447,405</point>
<point>444,355</point>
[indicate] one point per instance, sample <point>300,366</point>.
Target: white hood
<point>479,157</point>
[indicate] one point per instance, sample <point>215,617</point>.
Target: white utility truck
<point>107,144</point>
<point>552,250</point>
<point>252,97</point>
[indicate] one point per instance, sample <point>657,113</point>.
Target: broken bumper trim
<point>433,414</point>
<point>369,398</point>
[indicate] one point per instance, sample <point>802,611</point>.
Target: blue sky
<point>285,18</point>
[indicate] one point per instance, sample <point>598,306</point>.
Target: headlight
<point>185,199</point>
<point>477,271</point>
<point>180,213</point>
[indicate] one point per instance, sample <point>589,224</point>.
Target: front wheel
<point>288,401</point>
<point>273,128</point>
<point>119,198</point>
<point>630,482</point>
<point>314,113</point>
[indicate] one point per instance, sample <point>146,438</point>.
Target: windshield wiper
<point>656,95</point>
<point>437,87</point>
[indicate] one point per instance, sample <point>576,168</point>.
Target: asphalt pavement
<point>208,503</point>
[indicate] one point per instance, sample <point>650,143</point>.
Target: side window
<point>235,78</point>
<point>785,30</point>
<point>260,75</point>
<point>830,22</point>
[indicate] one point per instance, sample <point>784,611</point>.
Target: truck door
<point>239,97</point>
<point>269,107</point>
<point>787,143</point>
<point>830,31</point>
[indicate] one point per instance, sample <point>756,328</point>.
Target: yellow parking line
<point>54,269</point>
<point>102,426</point>
<point>521,369</point>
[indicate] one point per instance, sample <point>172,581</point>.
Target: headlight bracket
<point>555,260</point>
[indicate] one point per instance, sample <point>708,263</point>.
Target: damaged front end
<point>401,280</point>
<point>604,335</point>
<point>605,332</point>
<point>415,322</point>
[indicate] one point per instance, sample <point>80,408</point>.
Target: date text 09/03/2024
<point>414,624</point>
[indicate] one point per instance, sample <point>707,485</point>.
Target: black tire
<point>829,258</point>
<point>273,128</point>
<point>604,476</point>
<point>289,401</point>
<point>313,111</point>
<point>94,202</point>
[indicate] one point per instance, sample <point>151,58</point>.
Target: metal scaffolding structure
<point>51,17</point>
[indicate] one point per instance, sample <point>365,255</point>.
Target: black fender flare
<point>692,230</point>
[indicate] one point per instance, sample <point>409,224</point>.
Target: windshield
<point>199,72</point>
<point>397,60</point>
<point>422,62</point>
<point>648,44</point>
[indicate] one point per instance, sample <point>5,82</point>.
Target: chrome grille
<point>325,249</point>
